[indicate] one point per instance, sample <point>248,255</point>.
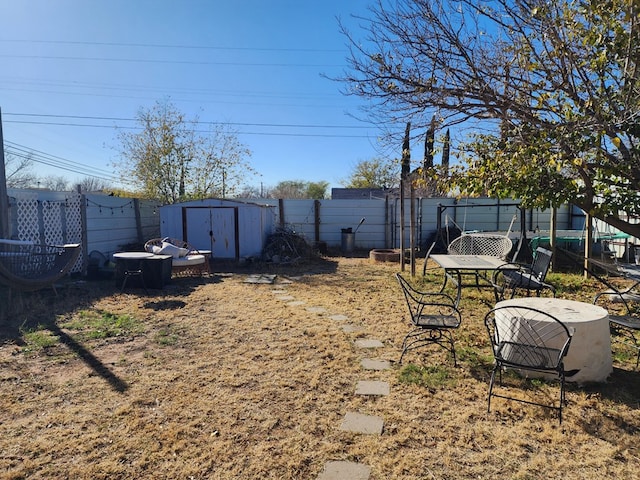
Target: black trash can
<point>348,240</point>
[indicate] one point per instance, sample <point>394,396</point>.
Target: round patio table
<point>132,255</point>
<point>128,265</point>
<point>590,350</point>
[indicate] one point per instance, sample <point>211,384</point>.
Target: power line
<point>235,124</point>
<point>145,88</point>
<point>272,134</point>
<point>178,62</point>
<point>88,117</point>
<point>194,47</point>
<point>29,150</point>
<point>37,156</point>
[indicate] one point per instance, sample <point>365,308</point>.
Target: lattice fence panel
<point>51,223</point>
<point>74,225</point>
<point>27,215</point>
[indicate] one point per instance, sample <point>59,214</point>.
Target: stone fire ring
<point>384,255</point>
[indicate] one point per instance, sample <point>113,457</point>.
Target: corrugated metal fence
<point>323,220</point>
<point>106,224</point>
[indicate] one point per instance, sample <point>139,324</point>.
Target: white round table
<point>590,350</point>
<point>132,255</point>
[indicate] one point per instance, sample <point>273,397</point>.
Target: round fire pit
<point>384,255</point>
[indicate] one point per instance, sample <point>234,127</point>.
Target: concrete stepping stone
<point>344,471</point>
<point>339,318</point>
<point>260,278</point>
<point>351,328</point>
<point>375,364</point>
<point>368,343</point>
<point>285,298</point>
<point>372,387</point>
<point>279,292</point>
<point>360,423</point>
<point>296,303</point>
<point>316,310</point>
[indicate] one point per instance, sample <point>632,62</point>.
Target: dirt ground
<point>217,378</point>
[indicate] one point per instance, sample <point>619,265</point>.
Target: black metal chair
<point>528,340</point>
<point>433,316</point>
<point>514,277</point>
<point>623,306</point>
<point>426,258</point>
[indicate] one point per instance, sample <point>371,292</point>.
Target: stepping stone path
<point>353,421</point>
<point>360,423</point>
<point>351,328</point>
<point>268,279</point>
<point>368,343</point>
<point>372,387</point>
<point>316,310</point>
<point>375,364</point>
<point>344,471</point>
<point>285,298</point>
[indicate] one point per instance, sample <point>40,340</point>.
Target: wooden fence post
<point>136,207</point>
<point>4,198</point>
<point>316,220</point>
<point>84,230</point>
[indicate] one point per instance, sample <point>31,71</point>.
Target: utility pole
<point>4,198</point>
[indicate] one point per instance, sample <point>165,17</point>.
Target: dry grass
<point>219,379</point>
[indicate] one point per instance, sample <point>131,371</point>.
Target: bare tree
<point>18,171</point>
<point>551,89</point>
<point>56,183</point>
<point>93,184</point>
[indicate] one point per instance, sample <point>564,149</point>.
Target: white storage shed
<point>229,228</point>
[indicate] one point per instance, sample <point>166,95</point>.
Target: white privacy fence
<point>108,224</point>
<point>97,222</point>
<point>323,220</point>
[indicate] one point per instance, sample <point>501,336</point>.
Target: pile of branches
<point>286,246</point>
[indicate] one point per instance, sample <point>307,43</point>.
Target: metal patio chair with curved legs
<point>623,306</point>
<point>529,341</point>
<point>481,244</point>
<point>434,316</point>
<point>507,280</point>
<point>492,245</point>
<point>426,258</point>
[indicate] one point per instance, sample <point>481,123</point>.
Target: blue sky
<point>254,63</point>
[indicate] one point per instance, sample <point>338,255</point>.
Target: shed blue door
<point>213,228</point>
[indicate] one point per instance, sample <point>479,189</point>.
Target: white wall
<point>381,228</point>
<point>111,222</point>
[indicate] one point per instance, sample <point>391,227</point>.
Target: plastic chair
<point>433,316</point>
<point>529,340</point>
